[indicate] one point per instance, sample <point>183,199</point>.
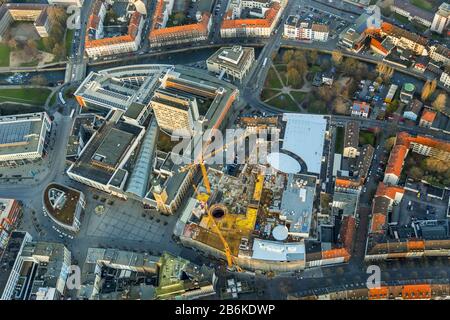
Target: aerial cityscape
<point>224,150</point>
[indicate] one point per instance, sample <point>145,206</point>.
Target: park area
<point>31,96</point>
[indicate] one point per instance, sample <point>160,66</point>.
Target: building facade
<point>233,61</point>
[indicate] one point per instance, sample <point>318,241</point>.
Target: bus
<point>61,98</point>
<point>264,63</point>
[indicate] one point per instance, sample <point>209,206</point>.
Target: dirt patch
<point>23,31</point>
<point>19,58</point>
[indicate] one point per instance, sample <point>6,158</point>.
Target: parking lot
<point>334,21</point>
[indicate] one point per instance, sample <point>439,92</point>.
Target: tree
<point>13,44</point>
<point>384,71</point>
<point>293,77</point>
<point>440,101</point>
<point>312,56</point>
<point>340,106</point>
<point>436,165</point>
<point>428,89</point>
<point>336,57</point>
<point>59,50</point>
<point>416,173</point>
<point>288,56</point>
<point>389,143</point>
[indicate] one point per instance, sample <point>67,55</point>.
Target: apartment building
<point>233,61</point>
<point>36,13</point>
<point>235,27</point>
<point>296,29</point>
<point>351,139</point>
<point>423,145</point>
<point>412,13</point>
<point>23,137</point>
<point>97,46</point>
<point>10,211</point>
<point>404,39</point>
<point>320,32</point>
<point>441,18</point>
<point>94,29</point>
<point>161,35</point>
<point>445,79</point>
<point>440,53</point>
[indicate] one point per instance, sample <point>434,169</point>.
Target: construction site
<point>261,216</point>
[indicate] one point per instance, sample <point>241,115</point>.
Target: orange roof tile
<point>335,253</point>
<point>388,191</point>
<point>253,23</point>
<point>428,115</point>
<point>378,222</point>
<point>347,231</point>
<point>133,29</point>
<point>416,291</point>
<point>175,31</point>
<point>377,44</point>
<point>430,142</point>
<point>396,159</point>
<point>416,245</point>
<point>378,293</point>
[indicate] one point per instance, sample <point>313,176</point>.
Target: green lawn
<point>268,93</point>
<point>35,96</point>
<point>298,96</point>
<point>4,55</point>
<point>424,4</point>
<point>53,99</point>
<point>367,137</point>
<point>284,102</point>
<point>272,80</point>
<point>282,68</point>
<point>69,38</point>
<point>315,69</point>
<point>400,18</point>
<point>339,144</point>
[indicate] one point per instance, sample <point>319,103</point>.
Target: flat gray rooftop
<point>113,146</point>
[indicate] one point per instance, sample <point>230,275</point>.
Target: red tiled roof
<point>378,222</point>
<point>388,191</point>
<point>253,23</point>
<point>133,29</point>
<point>416,291</point>
<point>428,115</point>
<point>347,232</point>
<point>201,27</point>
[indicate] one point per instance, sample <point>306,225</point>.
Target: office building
<point>441,18</point>
<point>234,61</point>
<point>23,137</point>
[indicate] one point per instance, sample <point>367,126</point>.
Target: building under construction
<point>264,216</point>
